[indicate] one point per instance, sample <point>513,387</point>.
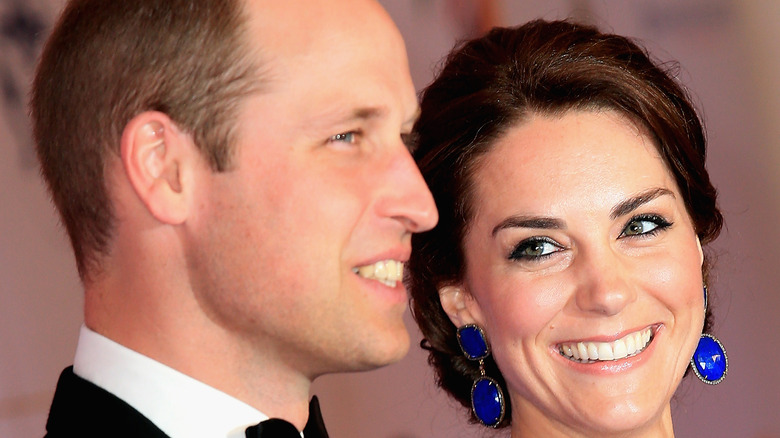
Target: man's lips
<point>387,272</point>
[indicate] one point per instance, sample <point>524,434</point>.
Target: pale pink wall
<point>40,296</point>
<point>730,59</point>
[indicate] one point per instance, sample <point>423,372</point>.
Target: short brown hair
<point>490,84</point>
<point>107,61</point>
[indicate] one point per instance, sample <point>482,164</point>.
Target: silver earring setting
<point>710,362</point>
<point>487,399</point>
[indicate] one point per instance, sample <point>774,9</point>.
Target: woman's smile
<point>629,345</point>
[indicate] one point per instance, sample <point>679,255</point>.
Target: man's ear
<point>460,306</point>
<point>157,158</point>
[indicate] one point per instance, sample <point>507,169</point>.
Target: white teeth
<point>588,352</point>
<point>619,350</point>
<point>387,272</point>
<point>380,270</point>
<point>605,352</point>
<point>583,351</point>
<point>630,345</point>
<point>593,351</point>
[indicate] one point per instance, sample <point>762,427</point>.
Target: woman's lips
<point>592,352</point>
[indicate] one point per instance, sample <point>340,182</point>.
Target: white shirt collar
<point>179,405</point>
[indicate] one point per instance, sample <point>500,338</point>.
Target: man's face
<point>323,193</point>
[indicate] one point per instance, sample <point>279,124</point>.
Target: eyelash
<point>531,243</point>
<point>540,241</point>
<point>409,139</point>
<point>659,222</point>
<point>342,137</point>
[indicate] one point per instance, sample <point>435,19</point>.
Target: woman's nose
<point>604,286</point>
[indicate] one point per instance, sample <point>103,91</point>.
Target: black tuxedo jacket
<point>85,410</point>
<point>82,409</point>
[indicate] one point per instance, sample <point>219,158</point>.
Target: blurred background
<point>729,53</point>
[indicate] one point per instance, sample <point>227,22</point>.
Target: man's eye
<point>645,225</point>
<point>345,137</point>
<point>535,248</point>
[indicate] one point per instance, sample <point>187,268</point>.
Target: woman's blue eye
<point>645,225</point>
<point>535,248</point>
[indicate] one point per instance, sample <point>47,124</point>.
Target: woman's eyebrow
<point>635,202</point>
<point>549,223</point>
<point>529,222</point>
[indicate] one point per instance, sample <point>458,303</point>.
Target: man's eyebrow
<point>546,223</point>
<point>341,117</point>
<point>634,202</point>
<point>366,113</point>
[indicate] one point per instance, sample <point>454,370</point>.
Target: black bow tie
<point>276,428</point>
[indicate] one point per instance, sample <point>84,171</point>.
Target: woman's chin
<point>626,418</point>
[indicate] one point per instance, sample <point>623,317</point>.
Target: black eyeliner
<point>525,243</point>
<point>660,222</point>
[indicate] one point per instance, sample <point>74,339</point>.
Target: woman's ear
<point>701,251</point>
<point>157,157</point>
<point>460,306</point>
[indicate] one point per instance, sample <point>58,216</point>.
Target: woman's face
<point>581,245</point>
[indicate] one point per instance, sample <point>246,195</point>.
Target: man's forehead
<point>297,24</point>
<point>315,31</point>
<point>339,65</point>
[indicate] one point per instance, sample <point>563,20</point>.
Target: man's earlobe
<point>154,155</point>
<point>458,305</point>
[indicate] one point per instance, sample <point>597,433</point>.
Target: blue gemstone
<point>472,341</point>
<point>486,399</point>
<point>710,359</point>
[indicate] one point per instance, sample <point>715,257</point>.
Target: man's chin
<point>389,350</point>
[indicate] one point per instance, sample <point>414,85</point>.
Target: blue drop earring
<point>709,362</point>
<point>487,399</point>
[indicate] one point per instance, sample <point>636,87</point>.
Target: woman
<point>563,291</point>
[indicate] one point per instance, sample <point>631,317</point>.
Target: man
<point>232,177</point>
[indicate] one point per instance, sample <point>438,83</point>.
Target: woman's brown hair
<point>490,84</point>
